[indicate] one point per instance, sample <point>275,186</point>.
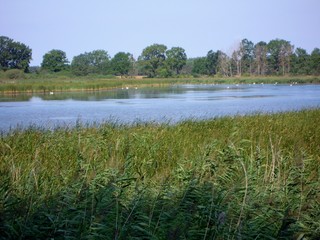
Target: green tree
<point>247,48</point>
<point>14,54</point>
<point>187,69</point>
<point>80,65</point>
<point>55,61</point>
<point>200,66</point>
<point>300,62</point>
<point>279,53</point>
<point>95,62</point>
<point>176,59</point>
<point>122,63</point>
<point>212,62</point>
<point>260,57</point>
<point>315,61</point>
<point>152,58</point>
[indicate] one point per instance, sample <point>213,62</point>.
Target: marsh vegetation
<point>241,177</point>
<point>63,83</point>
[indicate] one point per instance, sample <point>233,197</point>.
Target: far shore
<point>83,84</point>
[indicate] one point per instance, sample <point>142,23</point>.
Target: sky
<point>198,26</point>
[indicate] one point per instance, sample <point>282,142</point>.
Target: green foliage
<point>260,56</point>
<point>152,58</point>
<point>279,51</point>
<point>15,74</point>
<point>300,62</point>
<point>122,63</point>
<point>176,59</point>
<point>95,62</point>
<point>55,61</point>
<point>250,177</point>
<point>247,48</point>
<point>14,54</point>
<point>163,72</point>
<point>315,61</point>
<point>200,66</point>
<point>212,62</point>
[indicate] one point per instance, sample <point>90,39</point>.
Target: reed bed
<point>241,177</point>
<point>96,83</point>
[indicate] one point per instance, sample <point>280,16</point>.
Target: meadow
<point>239,177</point>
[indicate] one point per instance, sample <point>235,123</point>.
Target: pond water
<point>167,104</point>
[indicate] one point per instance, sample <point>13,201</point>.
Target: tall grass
<point>96,83</point>
<point>249,177</point>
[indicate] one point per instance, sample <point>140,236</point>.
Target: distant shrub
<point>163,73</point>
<point>246,75</point>
<point>196,75</point>
<point>15,74</point>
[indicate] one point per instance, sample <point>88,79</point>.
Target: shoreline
<point>31,86</point>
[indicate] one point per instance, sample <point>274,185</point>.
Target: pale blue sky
<point>78,26</point>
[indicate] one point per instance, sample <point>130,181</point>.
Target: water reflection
<point>162,92</point>
<point>172,103</point>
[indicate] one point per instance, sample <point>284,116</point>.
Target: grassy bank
<point>59,84</point>
<point>251,177</point>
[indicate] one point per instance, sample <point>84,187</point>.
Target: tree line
<point>277,57</point>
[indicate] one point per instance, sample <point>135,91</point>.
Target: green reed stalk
<point>248,177</point>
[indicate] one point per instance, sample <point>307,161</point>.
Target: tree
<point>236,61</point>
<point>247,54</point>
<point>100,61</point>
<point>80,65</point>
<point>14,54</point>
<point>122,63</point>
<point>300,62</point>
<point>176,59</point>
<point>223,66</point>
<point>200,65</point>
<point>96,62</point>
<point>279,52</point>
<point>152,58</point>
<point>55,61</point>
<point>315,61</point>
<point>260,56</point>
<point>212,62</point>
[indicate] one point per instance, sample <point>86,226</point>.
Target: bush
<point>15,74</point>
<point>163,73</point>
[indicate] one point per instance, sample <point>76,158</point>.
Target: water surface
<point>166,104</point>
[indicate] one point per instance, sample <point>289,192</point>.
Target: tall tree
<point>121,63</point>
<point>236,61</point>
<point>14,54</point>
<point>55,60</point>
<point>100,61</point>
<point>200,66</point>
<point>224,64</point>
<point>96,62</point>
<point>315,61</point>
<point>152,58</point>
<point>212,62</point>
<point>279,53</point>
<point>260,56</point>
<point>176,59</point>
<point>300,62</point>
<point>247,55</point>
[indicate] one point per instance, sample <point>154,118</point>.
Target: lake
<point>166,104</point>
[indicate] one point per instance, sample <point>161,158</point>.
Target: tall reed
<point>248,177</point>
